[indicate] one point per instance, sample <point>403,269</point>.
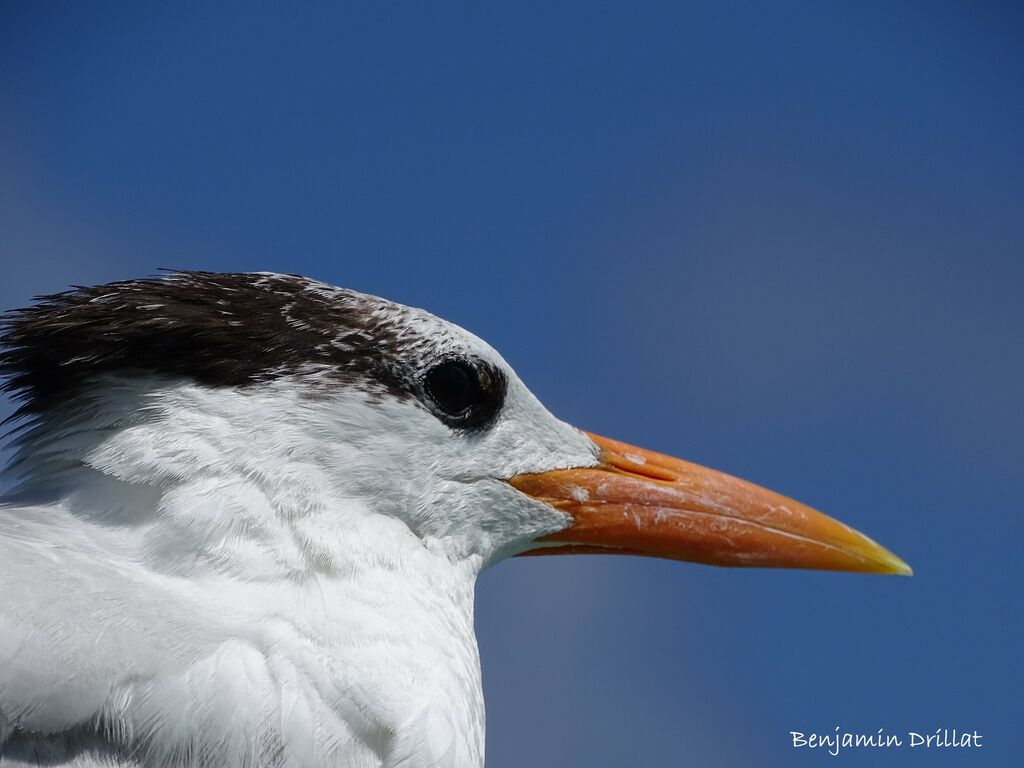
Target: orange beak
<point>638,502</point>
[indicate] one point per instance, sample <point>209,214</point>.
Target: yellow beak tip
<point>894,566</point>
<point>902,569</point>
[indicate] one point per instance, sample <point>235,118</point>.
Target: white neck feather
<point>296,618</point>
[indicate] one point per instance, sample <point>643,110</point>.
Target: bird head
<point>348,405</point>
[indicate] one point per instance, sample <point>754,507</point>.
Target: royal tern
<point>249,511</point>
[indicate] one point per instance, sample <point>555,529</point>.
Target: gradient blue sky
<point>785,240</point>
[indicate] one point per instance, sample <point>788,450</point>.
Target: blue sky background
<point>785,240</point>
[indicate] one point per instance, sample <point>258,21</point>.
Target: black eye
<point>466,393</point>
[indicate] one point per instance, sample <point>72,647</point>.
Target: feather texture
<point>272,573</point>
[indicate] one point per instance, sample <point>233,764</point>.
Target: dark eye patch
<point>465,393</point>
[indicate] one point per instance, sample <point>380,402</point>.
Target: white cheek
<point>336,459</point>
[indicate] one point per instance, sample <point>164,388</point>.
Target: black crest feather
<point>218,329</point>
